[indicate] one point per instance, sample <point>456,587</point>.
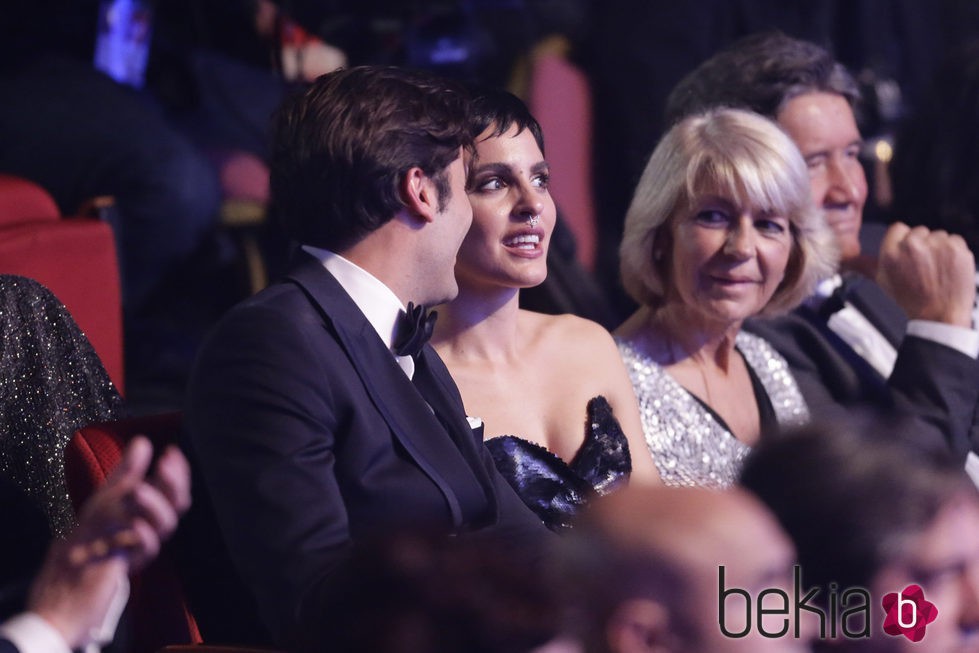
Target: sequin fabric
<point>51,383</point>
<point>688,444</point>
<point>556,490</point>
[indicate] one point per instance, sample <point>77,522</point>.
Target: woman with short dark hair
<point>559,414</point>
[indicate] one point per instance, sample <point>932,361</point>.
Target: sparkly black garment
<point>51,383</point>
<point>557,490</point>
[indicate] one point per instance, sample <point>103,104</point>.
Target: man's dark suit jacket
<point>307,435</point>
<point>7,647</point>
<point>934,385</point>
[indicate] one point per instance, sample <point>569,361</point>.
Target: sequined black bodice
<point>557,490</point>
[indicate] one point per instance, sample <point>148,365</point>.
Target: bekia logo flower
<point>908,613</point>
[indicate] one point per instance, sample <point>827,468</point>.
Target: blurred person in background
<point>643,568</point>
<point>871,504</point>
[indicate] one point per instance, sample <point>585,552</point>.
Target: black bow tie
<point>414,330</point>
<point>837,300</point>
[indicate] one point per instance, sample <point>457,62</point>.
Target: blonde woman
<point>721,228</point>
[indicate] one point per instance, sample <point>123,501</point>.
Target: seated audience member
<point>644,567</point>
<point>81,119</point>
<point>77,597</point>
<point>563,443</point>
<point>53,383</point>
<point>317,412</point>
<point>79,134</point>
<point>871,506</point>
<point>903,343</point>
<point>721,228</point>
<point>414,592</point>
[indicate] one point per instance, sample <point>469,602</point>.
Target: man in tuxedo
<point>902,341</point>
<point>310,421</point>
<point>81,588</point>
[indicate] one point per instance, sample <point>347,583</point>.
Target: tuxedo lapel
<point>419,430</point>
<point>439,454</point>
<point>435,384</point>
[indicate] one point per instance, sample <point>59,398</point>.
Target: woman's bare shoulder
<point>589,340</point>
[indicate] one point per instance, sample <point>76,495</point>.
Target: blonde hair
<point>739,155</point>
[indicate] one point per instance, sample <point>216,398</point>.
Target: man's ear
<point>640,626</point>
<point>419,194</point>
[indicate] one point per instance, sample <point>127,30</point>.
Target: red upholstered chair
<point>75,259</point>
<point>20,199</point>
<point>159,612</point>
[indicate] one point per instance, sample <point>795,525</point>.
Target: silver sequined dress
<point>51,383</point>
<point>688,444</point>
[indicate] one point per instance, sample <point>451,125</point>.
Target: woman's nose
<point>528,206</point>
<point>740,241</point>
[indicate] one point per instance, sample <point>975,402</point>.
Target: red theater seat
<point>75,258</point>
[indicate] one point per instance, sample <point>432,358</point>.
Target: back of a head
<point>760,72</point>
<point>849,494</point>
<point>664,545</point>
<point>424,592</point>
<point>341,148</point>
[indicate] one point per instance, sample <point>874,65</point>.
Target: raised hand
<point>930,274</point>
<point>120,528</point>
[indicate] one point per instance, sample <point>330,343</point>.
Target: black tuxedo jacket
<point>307,435</point>
<point>935,386</point>
<point>6,646</point>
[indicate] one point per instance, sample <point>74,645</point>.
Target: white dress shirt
<point>30,633</point>
<point>854,328</point>
<point>376,301</point>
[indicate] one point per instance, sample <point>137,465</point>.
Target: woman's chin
<point>532,281</point>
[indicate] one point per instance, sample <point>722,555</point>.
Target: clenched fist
<point>930,274</point>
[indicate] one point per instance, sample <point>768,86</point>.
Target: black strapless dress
<point>556,490</point>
